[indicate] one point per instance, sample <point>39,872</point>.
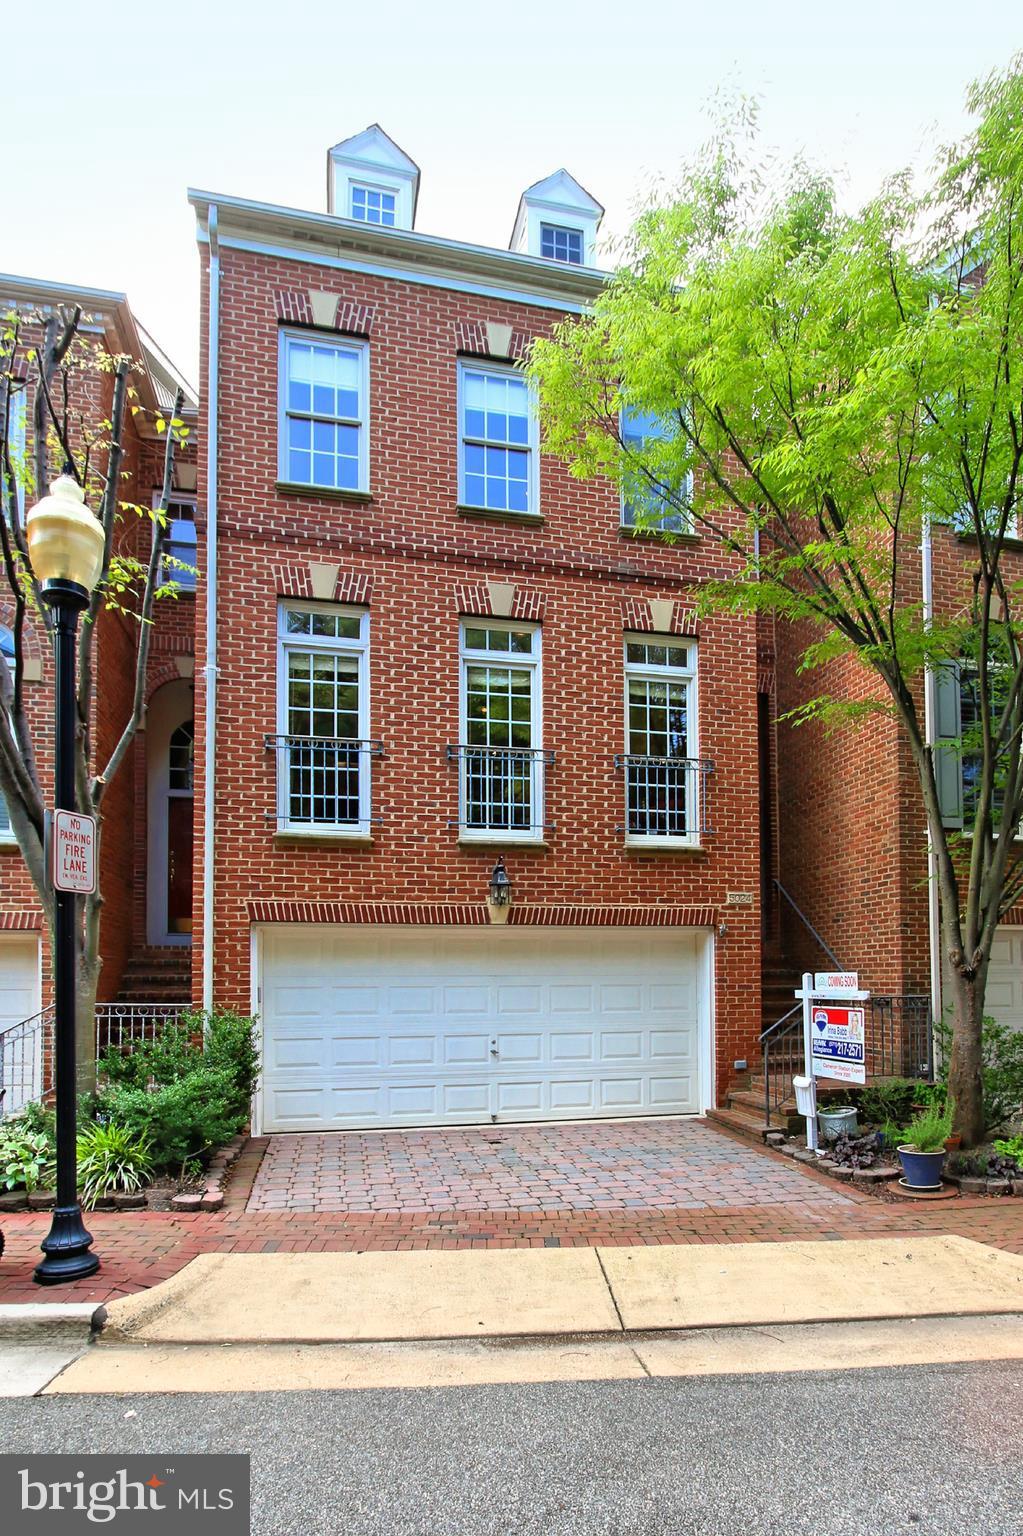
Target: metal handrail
<point>810,928</point>
<point>776,1038</point>
<point>21,1060</point>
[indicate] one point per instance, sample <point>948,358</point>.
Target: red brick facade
<point>418,562</point>
<point>124,824</point>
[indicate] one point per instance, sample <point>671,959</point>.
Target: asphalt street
<point>930,1450</point>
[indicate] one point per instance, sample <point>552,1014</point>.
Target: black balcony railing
<point>501,789</point>
<point>666,796</point>
<point>322,782</point>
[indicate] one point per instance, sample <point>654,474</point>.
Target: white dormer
<point>558,219</point>
<point>370,179</point>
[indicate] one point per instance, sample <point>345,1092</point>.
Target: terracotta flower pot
<point>953,1142</point>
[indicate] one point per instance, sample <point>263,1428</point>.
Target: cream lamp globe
<point>65,541</point>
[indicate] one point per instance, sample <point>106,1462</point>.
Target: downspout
<point>209,796</point>
<point>930,703</point>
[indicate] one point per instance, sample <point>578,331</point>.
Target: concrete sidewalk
<point>338,1298</point>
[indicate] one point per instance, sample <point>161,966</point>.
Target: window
<point>498,441</point>
<point>662,772</point>
<point>181,759</point>
<point>642,507</point>
<point>324,438</point>
<point>560,244</point>
<point>323,757</point>
<point>373,205</point>
<point>179,544</point>
<point>958,740</point>
<point>17,441</point>
<point>501,763</point>
<point>7,651</point>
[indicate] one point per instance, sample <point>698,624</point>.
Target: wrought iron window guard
<point>500,788</point>
<point>662,794</point>
<point>320,782</point>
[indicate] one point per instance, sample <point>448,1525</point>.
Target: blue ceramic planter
<point>922,1170</point>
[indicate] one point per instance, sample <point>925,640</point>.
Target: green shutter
<point>948,759</point>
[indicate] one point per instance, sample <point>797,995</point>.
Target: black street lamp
<point>65,547</point>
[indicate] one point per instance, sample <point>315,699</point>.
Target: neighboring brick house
<point>135,830</point>
<point>853,834</point>
<point>425,648</point>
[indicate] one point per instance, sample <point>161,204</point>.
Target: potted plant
<point>838,1120</point>
<point>923,1153</point>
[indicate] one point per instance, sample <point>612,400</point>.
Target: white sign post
<point>73,841</point>
<point>834,1035</point>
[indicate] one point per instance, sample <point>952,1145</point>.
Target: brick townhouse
<point>853,835</point>
<point>429,660</point>
<point>146,858</point>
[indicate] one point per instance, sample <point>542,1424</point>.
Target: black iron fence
<point>899,1041</point>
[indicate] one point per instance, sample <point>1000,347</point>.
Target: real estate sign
<point>73,840</point>
<point>838,1043</point>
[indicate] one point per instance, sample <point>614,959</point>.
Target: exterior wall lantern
<point>499,894</point>
<point>65,548</point>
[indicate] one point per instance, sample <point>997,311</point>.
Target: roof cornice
<point>352,243</point>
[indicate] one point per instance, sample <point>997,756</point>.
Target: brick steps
<point>160,975</point>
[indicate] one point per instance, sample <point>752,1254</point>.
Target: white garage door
<point>404,1027</point>
<point>20,1055</point>
<point>1004,997</point>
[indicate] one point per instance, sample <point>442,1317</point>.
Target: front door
<point>179,830</point>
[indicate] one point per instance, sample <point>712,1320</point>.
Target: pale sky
<point>112,110</point>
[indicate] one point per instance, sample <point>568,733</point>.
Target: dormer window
<point>372,180</point>
<point>560,244</point>
<point>373,205</point>
<point>557,220</point>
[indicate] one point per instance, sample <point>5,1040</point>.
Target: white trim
<point>532,445</point>
<point>448,281</point>
<point>647,671</point>
<point>706,1012</point>
<point>255,1009</point>
<point>315,338</point>
<point>11,940</point>
<point>534,664</point>
<point>358,649</point>
<point>170,707</point>
<point>210,670</point>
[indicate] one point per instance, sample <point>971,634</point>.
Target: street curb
<point>50,1322</point>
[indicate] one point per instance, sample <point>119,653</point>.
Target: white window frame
<point>564,229</point>
<point>357,648</point>
<point>357,184</point>
<point>533,663</point>
<point>965,668</point>
<point>648,526</point>
<point>177,499</point>
<point>653,672</point>
<point>343,343</point>
<point>17,420</point>
<point>532,445</point>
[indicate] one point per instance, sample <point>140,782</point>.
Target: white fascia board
<point>328,240</point>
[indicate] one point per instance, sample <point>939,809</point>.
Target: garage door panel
<point>21,1059</point>
<point>578,1046</point>
<point>461,1027</point>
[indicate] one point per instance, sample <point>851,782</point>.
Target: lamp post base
<point>66,1247</point>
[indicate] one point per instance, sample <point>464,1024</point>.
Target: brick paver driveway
<point>626,1166</point>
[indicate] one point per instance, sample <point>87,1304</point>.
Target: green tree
<point>66,435</point>
<point>827,387</point>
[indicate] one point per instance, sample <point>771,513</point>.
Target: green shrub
<point>1012,1148</point>
<point>26,1156</point>
<point>930,1130</point>
<point>182,1119</point>
<point>112,1159</point>
<point>888,1099</point>
<point>1001,1069</point>
<point>188,1089</point>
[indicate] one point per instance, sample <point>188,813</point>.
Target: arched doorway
<point>170,749</point>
